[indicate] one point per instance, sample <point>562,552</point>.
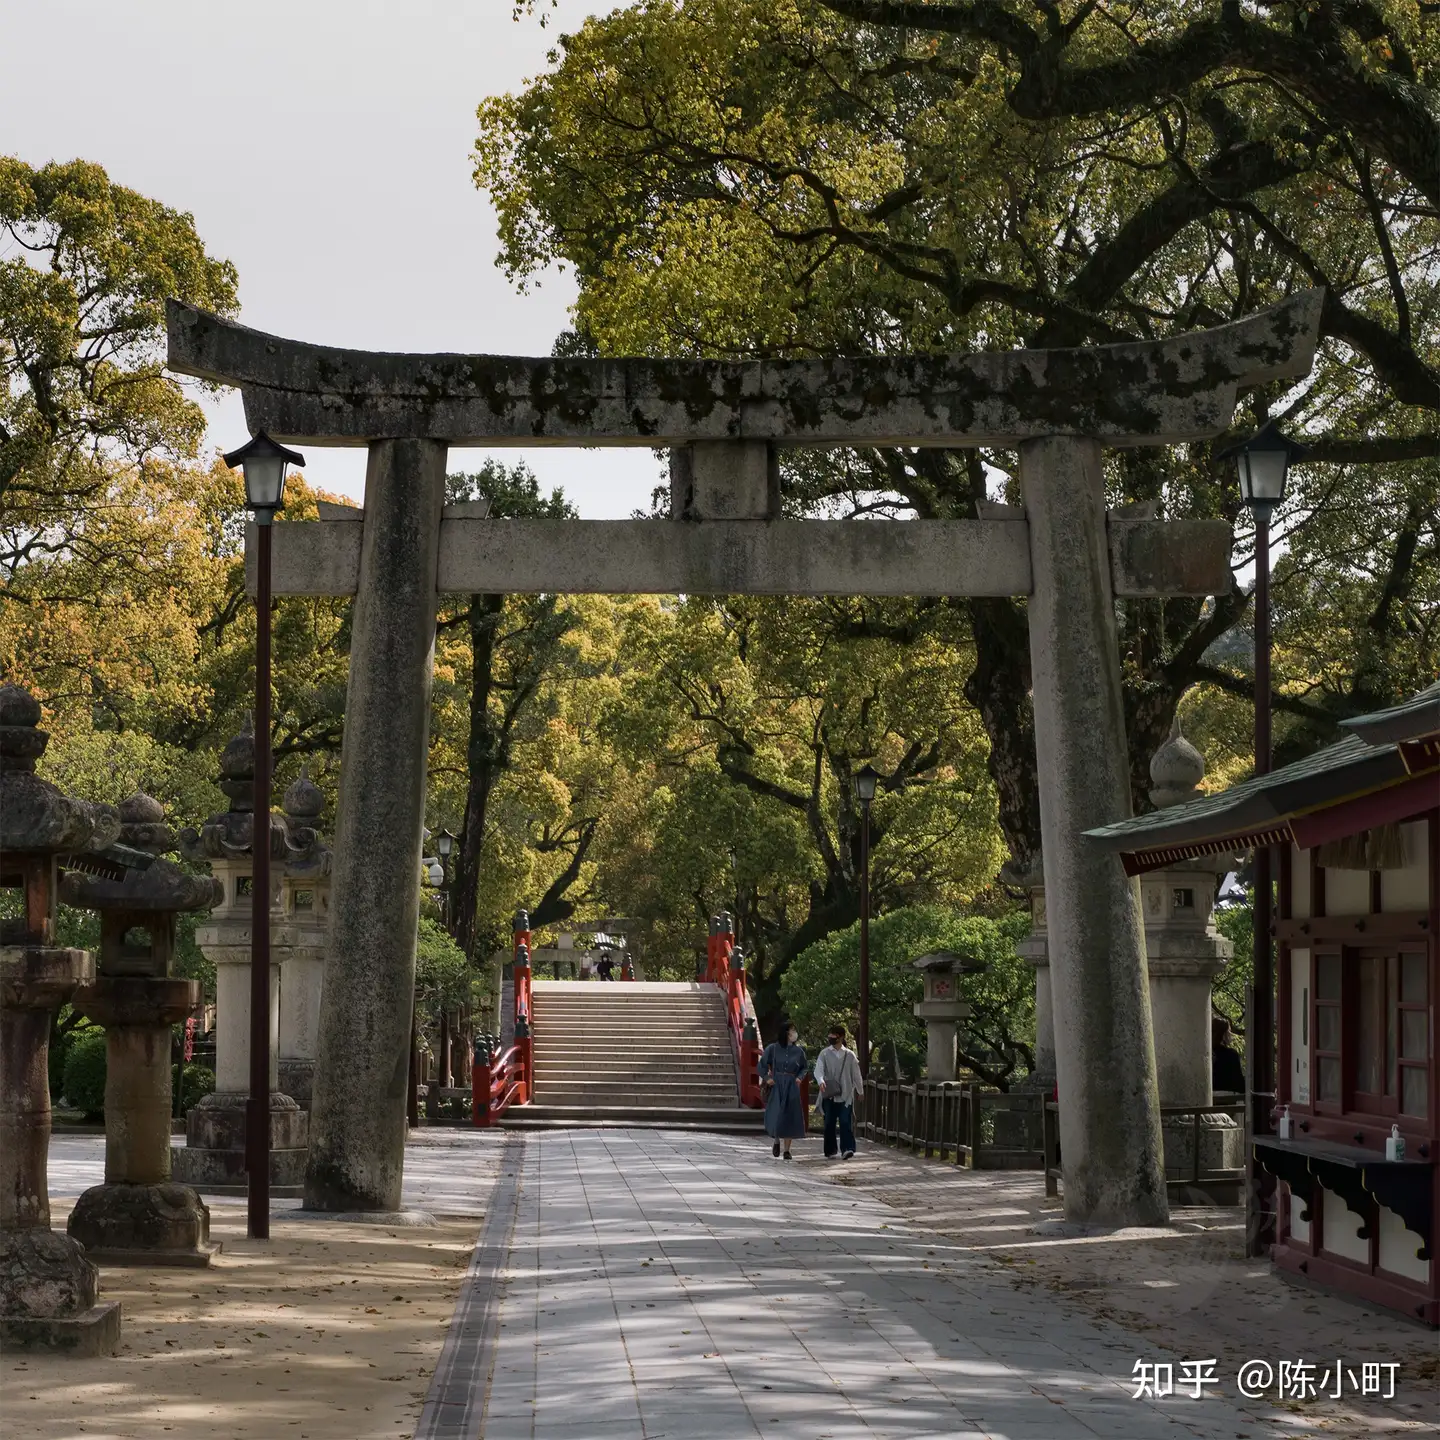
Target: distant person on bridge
<point>781,1067</point>
<point>837,1072</point>
<point>606,968</point>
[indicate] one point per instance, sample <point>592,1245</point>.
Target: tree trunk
<point>482,762</point>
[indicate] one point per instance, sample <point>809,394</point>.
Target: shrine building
<point>1356,832</point>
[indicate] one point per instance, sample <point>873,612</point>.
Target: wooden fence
<point>1173,1118</point>
<point>983,1129</point>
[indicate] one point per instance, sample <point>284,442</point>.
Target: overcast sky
<point>324,147</point>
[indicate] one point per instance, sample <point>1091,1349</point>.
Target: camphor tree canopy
<point>798,177</point>
<point>996,1040</point>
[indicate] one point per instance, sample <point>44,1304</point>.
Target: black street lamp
<point>1263,463</point>
<point>264,464</point>
<point>866,781</point>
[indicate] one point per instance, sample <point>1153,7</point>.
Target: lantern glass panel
<point>264,482</point>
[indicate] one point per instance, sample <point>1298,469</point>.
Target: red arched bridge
<point>635,1052</point>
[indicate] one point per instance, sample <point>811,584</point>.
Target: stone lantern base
<point>164,1224</point>
<point>213,1157</point>
<point>1222,1147</point>
<point>48,1293</point>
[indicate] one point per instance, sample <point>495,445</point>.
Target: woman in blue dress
<point>781,1067</point>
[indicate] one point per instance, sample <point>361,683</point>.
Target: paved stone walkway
<point>675,1287</point>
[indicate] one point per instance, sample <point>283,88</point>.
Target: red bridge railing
<point>509,1077</point>
<point>725,967</point>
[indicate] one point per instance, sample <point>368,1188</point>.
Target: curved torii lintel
<point>1141,393</point>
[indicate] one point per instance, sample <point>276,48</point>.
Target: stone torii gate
<point>723,422</point>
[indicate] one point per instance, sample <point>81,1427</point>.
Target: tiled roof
<point>1419,715</point>
<point>1348,767</point>
<point>1367,759</point>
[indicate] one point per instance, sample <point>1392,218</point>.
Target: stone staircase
<point>632,1054</point>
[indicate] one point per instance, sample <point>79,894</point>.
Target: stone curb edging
<point>455,1404</point>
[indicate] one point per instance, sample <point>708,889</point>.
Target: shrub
<point>196,1082</point>
<point>84,1081</point>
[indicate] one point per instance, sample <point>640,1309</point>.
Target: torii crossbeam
<point>723,422</point>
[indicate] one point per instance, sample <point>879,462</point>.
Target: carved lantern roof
<point>36,817</point>
<point>135,877</point>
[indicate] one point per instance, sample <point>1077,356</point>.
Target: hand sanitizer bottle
<point>1395,1145</point>
<point>1285,1123</point>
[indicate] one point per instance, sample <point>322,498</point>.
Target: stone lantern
<point>297,940</point>
<point>213,1157</point>
<point>1034,949</point>
<point>139,1216</point>
<point>48,1289</point>
<point>1186,954</point>
<point>942,1009</point>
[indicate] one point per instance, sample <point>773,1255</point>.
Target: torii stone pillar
<point>723,422</point>
<point>1105,1052</point>
<point>357,1106</point>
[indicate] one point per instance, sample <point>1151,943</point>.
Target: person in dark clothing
<point>781,1067</point>
<point>606,968</point>
<point>1227,1070</point>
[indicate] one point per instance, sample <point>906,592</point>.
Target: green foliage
<point>997,1041</point>
<point>84,1074</point>
<point>87,268</point>
<point>1236,924</point>
<point>444,978</point>
<point>68,1027</point>
<point>196,1082</point>
<point>752,178</point>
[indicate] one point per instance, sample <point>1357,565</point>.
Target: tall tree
<point>514,642</point>
<point>750,178</point>
<point>784,701</point>
<point>82,324</point>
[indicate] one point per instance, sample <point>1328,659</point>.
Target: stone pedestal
<point>213,1157</point>
<point>1187,954</point>
<point>1034,950</point>
<point>297,941</point>
<point>49,1290</point>
<point>140,1215</point>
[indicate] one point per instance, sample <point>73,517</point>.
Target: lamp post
<point>865,782</point>
<point>1263,463</point>
<point>264,464</point>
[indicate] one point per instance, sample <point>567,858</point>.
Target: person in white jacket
<point>837,1073</point>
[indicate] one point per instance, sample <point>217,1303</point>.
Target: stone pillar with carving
<point>1186,954</point>
<point>298,938</point>
<point>48,1288</point>
<point>213,1157</point>
<point>139,1216</point>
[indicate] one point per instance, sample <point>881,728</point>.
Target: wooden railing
<point>508,1079</point>
<point>1198,1178</point>
<point>982,1129</point>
